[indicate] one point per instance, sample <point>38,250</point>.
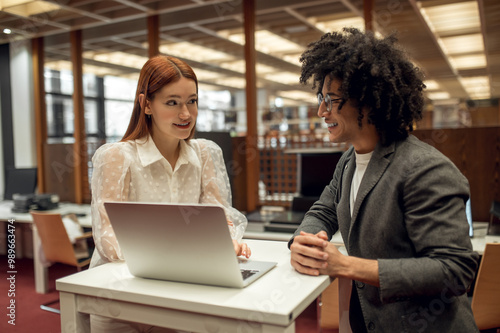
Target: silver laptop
<point>181,242</point>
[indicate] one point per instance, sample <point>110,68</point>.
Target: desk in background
<point>270,304</point>
<point>257,230</point>
<point>26,234</point>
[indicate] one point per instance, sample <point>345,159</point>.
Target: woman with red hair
<point>158,160</point>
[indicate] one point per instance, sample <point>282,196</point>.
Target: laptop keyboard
<point>246,273</point>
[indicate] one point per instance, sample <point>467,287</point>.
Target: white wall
<point>23,114</point>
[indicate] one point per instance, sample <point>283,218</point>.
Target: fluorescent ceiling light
<point>477,86</point>
<point>452,17</point>
<point>293,58</point>
<point>27,7</point>
<point>480,95</point>
<point>431,85</point>
<point>235,66</point>
<point>463,44</point>
<point>195,52</point>
<point>468,62</point>
<point>117,58</point>
<point>453,20</point>
<point>283,77</point>
<point>299,95</point>
<point>204,75</point>
<point>337,25</point>
<point>262,69</point>
<point>64,65</point>
<point>240,67</point>
<point>234,82</point>
<point>438,95</point>
<point>265,41</point>
<point>58,65</point>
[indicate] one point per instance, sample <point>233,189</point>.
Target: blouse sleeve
<point>110,182</point>
<point>216,188</point>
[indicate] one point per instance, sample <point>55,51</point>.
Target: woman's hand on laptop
<point>242,249</point>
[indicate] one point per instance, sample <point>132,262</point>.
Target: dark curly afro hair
<point>374,73</point>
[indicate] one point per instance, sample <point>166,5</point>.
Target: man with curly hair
<point>399,203</point>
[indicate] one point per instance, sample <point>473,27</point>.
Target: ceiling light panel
<point>234,82</point>
<point>64,65</point>
<point>293,58</point>
<point>204,75</point>
<point>266,42</point>
<point>240,67</point>
<point>452,17</point>
<point>194,52</point>
<point>431,85</point>
<point>478,87</point>
<point>468,62</point>
<point>284,78</point>
<point>438,95</point>
<point>298,95</point>
<point>463,44</point>
<point>337,25</point>
<point>27,8</point>
<point>117,58</point>
<point>457,29</point>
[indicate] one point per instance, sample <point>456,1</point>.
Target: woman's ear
<point>147,109</point>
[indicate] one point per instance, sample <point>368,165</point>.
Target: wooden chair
<point>328,308</point>
<point>486,295</point>
<point>333,307</point>
<point>57,246</point>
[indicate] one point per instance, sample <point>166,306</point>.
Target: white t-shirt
<point>362,161</point>
<point>137,171</point>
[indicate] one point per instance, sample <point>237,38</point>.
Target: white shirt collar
<point>149,153</point>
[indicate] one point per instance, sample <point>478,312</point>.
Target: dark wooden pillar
<point>80,146</point>
<point>368,14</point>
<point>153,36</point>
<point>252,152</point>
<point>37,46</point>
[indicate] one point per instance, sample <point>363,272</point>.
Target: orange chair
<point>57,246</point>
<point>486,295</point>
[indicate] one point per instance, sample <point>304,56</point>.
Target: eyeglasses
<point>328,101</point>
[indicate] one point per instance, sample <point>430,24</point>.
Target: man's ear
<point>147,108</point>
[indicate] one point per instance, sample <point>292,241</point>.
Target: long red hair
<point>156,73</point>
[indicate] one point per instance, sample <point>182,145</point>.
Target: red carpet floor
<point>30,318</point>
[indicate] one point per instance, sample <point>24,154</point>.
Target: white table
<point>271,304</point>
<point>41,273</point>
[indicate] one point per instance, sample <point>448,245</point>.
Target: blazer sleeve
<point>433,199</point>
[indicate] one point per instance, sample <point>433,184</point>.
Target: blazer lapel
<point>343,209</point>
<point>376,168</point>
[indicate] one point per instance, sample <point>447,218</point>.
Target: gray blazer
<point>409,215</point>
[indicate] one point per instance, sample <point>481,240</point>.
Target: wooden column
<point>368,14</point>
<point>40,109</point>
<point>252,152</point>
<point>80,146</point>
<point>153,36</point>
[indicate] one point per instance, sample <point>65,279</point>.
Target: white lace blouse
<point>136,171</point>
